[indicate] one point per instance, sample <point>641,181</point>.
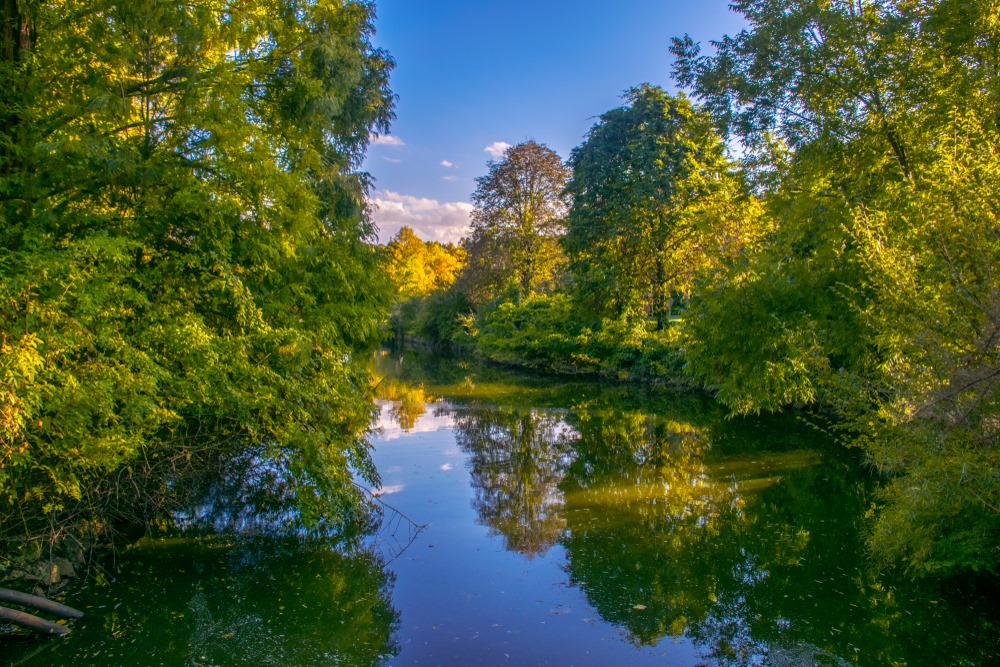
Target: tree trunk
<point>17,37</point>
<point>17,31</point>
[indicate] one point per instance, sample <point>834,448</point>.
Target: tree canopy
<point>519,214</point>
<point>417,267</point>
<point>872,130</point>
<point>185,248</point>
<point>642,186</point>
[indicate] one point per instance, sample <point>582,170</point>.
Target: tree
<point>641,183</point>
<point>874,130</point>
<point>418,267</point>
<point>187,259</point>
<point>519,212</point>
<point>517,460</point>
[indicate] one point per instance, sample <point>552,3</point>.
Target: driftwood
<point>32,622</point>
<point>43,604</point>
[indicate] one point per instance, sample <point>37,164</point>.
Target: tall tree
<point>518,217</point>
<point>641,185</point>
<point>873,127</point>
<point>185,249</point>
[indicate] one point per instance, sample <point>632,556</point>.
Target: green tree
<point>873,128</point>
<point>518,217</point>
<point>186,254</point>
<point>642,182</point>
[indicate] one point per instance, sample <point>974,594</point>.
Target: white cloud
<point>387,428</point>
<point>432,220</point>
<point>447,163</point>
<point>393,160</point>
<point>497,148</point>
<point>449,178</point>
<point>386,140</point>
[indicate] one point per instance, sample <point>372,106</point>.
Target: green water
<point>565,523</point>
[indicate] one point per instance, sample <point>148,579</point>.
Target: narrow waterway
<point>531,520</point>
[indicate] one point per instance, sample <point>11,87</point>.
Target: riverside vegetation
<point>187,264</point>
<point>845,261</point>
<point>188,268</point>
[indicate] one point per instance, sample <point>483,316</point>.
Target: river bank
<point>541,333</point>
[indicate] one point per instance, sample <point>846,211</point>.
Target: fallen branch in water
<point>36,602</point>
<point>412,527</point>
<point>33,623</point>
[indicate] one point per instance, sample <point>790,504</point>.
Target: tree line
<point>813,223</point>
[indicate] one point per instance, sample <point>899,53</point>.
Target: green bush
<point>546,332</point>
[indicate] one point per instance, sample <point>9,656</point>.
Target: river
<point>535,520</point>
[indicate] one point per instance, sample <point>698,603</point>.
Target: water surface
<point>563,523</point>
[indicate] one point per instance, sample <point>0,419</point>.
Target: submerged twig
<point>413,528</point>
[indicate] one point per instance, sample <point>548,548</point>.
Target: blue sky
<point>477,74</point>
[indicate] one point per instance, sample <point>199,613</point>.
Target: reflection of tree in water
<point>741,536</point>
<point>245,603</point>
<point>517,458</point>
<point>659,535</point>
<point>645,521</point>
<point>258,491</point>
<point>409,407</point>
<point>766,570</point>
<point>409,401</point>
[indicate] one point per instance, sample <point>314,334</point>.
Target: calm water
<point>563,524</point>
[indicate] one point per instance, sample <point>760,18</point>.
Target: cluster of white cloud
<point>385,140</point>
<point>497,149</point>
<point>432,220</point>
<point>448,164</point>
<point>446,222</point>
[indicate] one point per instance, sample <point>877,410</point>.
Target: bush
<point>546,332</point>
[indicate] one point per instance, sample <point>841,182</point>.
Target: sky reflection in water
<point>623,525</point>
<point>566,524</point>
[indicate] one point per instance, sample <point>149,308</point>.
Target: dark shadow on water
<point>217,601</point>
<point>239,579</point>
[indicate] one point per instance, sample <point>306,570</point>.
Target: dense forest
<point>812,223</point>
